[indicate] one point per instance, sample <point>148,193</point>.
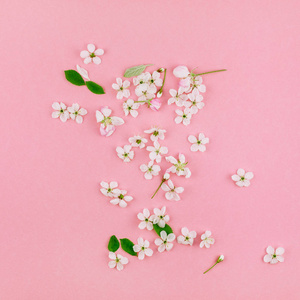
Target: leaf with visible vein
<point>74,77</point>
<point>135,71</point>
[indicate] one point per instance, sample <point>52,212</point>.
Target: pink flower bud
<point>107,130</point>
<point>181,72</point>
<point>155,104</point>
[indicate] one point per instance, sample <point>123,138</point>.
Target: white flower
<point>160,218</point>
<point>195,102</point>
<point>197,84</point>
<point>179,166</point>
<point>91,54</point>
<point>145,91</point>
<point>177,97</point>
<point>155,79</point>
<point>172,191</point>
<point>150,169</point>
<point>142,78</point>
<point>156,133</point>
<point>120,198</point>
<point>156,151</point>
<point>142,248</point>
<point>117,260</point>
<point>108,122</point>
<point>242,178</point>
<point>206,239</point>
<point>187,237</point>
<point>76,113</point>
<point>83,72</point>
<point>125,153</point>
<point>198,144</point>
<point>122,88</point>
<point>274,256</point>
<point>109,189</point>
<point>181,72</point>
<point>146,219</point>
<point>60,111</point>
<point>138,141</point>
<point>183,116</point>
<point>130,107</point>
<point>165,241</point>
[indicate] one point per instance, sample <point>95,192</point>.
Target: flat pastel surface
<point>55,224</point>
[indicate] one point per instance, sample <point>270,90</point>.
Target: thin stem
<point>210,72</point>
<point>158,188</point>
<point>210,268</point>
<point>164,80</point>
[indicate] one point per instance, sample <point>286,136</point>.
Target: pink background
<point>55,224</point>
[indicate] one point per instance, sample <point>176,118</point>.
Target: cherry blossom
<point>122,88</point>
<point>138,141</point>
<point>117,260</point>
<point>198,144</point>
<point>156,151</point>
<point>109,189</point>
<point>172,191</point>
<point>125,153</point>
<point>197,84</point>
<point>150,170</point>
<point>187,237</point>
<point>183,116</point>
<point>178,97</point>
<point>156,133</point>
<point>160,218</point>
<point>195,102</point>
<point>146,219</point>
<point>142,248</point>
<point>179,166</point>
<point>274,256</point>
<point>242,178</point>
<point>130,107</point>
<point>76,113</point>
<point>155,104</point>
<point>165,241</point>
<point>60,111</point>
<point>107,122</point>
<point>207,240</point>
<point>120,198</point>
<point>91,54</point>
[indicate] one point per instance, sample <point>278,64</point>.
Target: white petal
<point>87,60</point>
<point>97,60</point>
<point>112,264</point>
<point>194,147</point>
<point>91,48</point>
<point>84,54</point>
<point>235,177</point>
<point>192,139</point>
<point>56,106</point>
<point>169,246</point>
<point>241,172</point>
<point>112,255</point>
<point>117,121</point>
<point>99,116</point>
<point>99,52</point>
<point>279,251</point>
<point>249,175</point>
<point>270,250</point>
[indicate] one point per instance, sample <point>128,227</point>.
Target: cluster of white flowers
<point>187,238</point>
<point>188,96</point>
<point>65,113</point>
<point>118,197</point>
<point>148,90</point>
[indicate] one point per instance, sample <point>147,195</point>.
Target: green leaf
<point>135,71</point>
<point>94,87</point>
<point>127,246</point>
<point>74,77</point>
<point>113,244</point>
<point>158,229</point>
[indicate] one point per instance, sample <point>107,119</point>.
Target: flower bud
<point>166,176</point>
<point>160,70</point>
<point>155,104</point>
<point>181,72</point>
<point>159,94</point>
<point>221,258</point>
